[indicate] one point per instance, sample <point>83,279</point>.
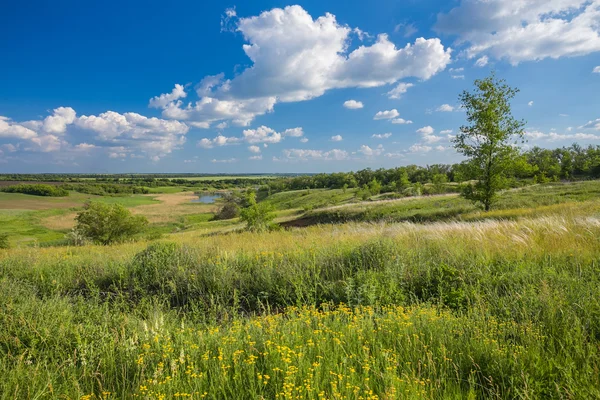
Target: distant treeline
<point>105,189</point>
<point>36,190</point>
<point>540,165</point>
<point>141,180</point>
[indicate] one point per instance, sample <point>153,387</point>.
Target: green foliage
<point>4,243</point>
<point>447,311</point>
<point>229,210</point>
<point>106,189</point>
<point>403,181</point>
<point>439,183</point>
<point>36,190</point>
<point>488,139</point>
<point>106,224</point>
<point>374,187</point>
<point>257,216</point>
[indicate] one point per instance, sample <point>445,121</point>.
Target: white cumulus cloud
<point>401,121</point>
<point>336,138</point>
<point>399,90</point>
<point>525,30</point>
<point>353,104</point>
<point>445,108</point>
<point>388,114</point>
<point>295,57</point>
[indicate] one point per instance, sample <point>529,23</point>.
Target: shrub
<point>228,211</point>
<point>106,224</point>
<point>76,238</point>
<point>4,243</point>
<point>36,190</point>
<point>257,216</point>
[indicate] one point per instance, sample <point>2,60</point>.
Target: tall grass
<point>483,309</point>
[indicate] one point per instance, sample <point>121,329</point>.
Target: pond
<point>207,198</point>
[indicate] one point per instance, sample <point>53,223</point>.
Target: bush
<point>36,190</point>
<point>4,243</point>
<point>106,224</point>
<point>228,211</point>
<point>257,216</point>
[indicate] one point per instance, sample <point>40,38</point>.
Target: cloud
<point>13,130</point>
<point>293,132</point>
<point>399,90</point>
<point>426,130</point>
<point>596,70</point>
<point>427,135</point>
<point>482,61</point>
<point>295,58</point>
<point>153,136</point>
<point>525,30</point>
<point>227,160</point>
<point>445,108</point>
<point>446,132</point>
<point>306,155</point>
<point>394,155</point>
<point>389,114</point>
<point>262,134</point>
<point>336,138</point>
<point>401,121</point>
<point>254,149</point>
<point>11,148</point>
<point>161,101</point>
<point>407,30</point>
<point>369,152</point>
<point>381,136</point>
<point>219,141</point>
<point>353,104</point>
<point>530,103</point>
<point>255,158</point>
<point>53,124</point>
<point>304,140</point>
<point>554,137</point>
<point>592,125</point>
<point>418,148</point>
<point>455,70</point>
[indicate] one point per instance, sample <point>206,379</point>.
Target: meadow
<point>418,297</point>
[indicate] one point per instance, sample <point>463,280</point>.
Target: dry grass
<point>172,206</point>
<point>16,201</point>
<point>59,222</point>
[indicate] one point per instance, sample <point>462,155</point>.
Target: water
<point>207,198</point>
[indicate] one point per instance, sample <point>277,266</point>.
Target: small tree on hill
<point>257,216</point>
<point>106,224</point>
<point>487,140</point>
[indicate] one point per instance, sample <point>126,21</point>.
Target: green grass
<point>502,305</point>
<point>495,309</point>
<point>313,198</point>
<point>512,203</point>
<point>24,226</point>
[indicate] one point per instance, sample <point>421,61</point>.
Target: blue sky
<point>268,86</point>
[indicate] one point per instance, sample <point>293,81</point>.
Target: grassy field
<point>459,304</point>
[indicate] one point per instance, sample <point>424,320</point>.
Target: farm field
<point>420,297</point>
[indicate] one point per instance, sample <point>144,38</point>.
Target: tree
<point>403,182</point>
<point>229,210</point>
<point>374,187</point>
<point>257,216</point>
<point>106,224</point>
<point>439,182</point>
<point>487,140</point>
